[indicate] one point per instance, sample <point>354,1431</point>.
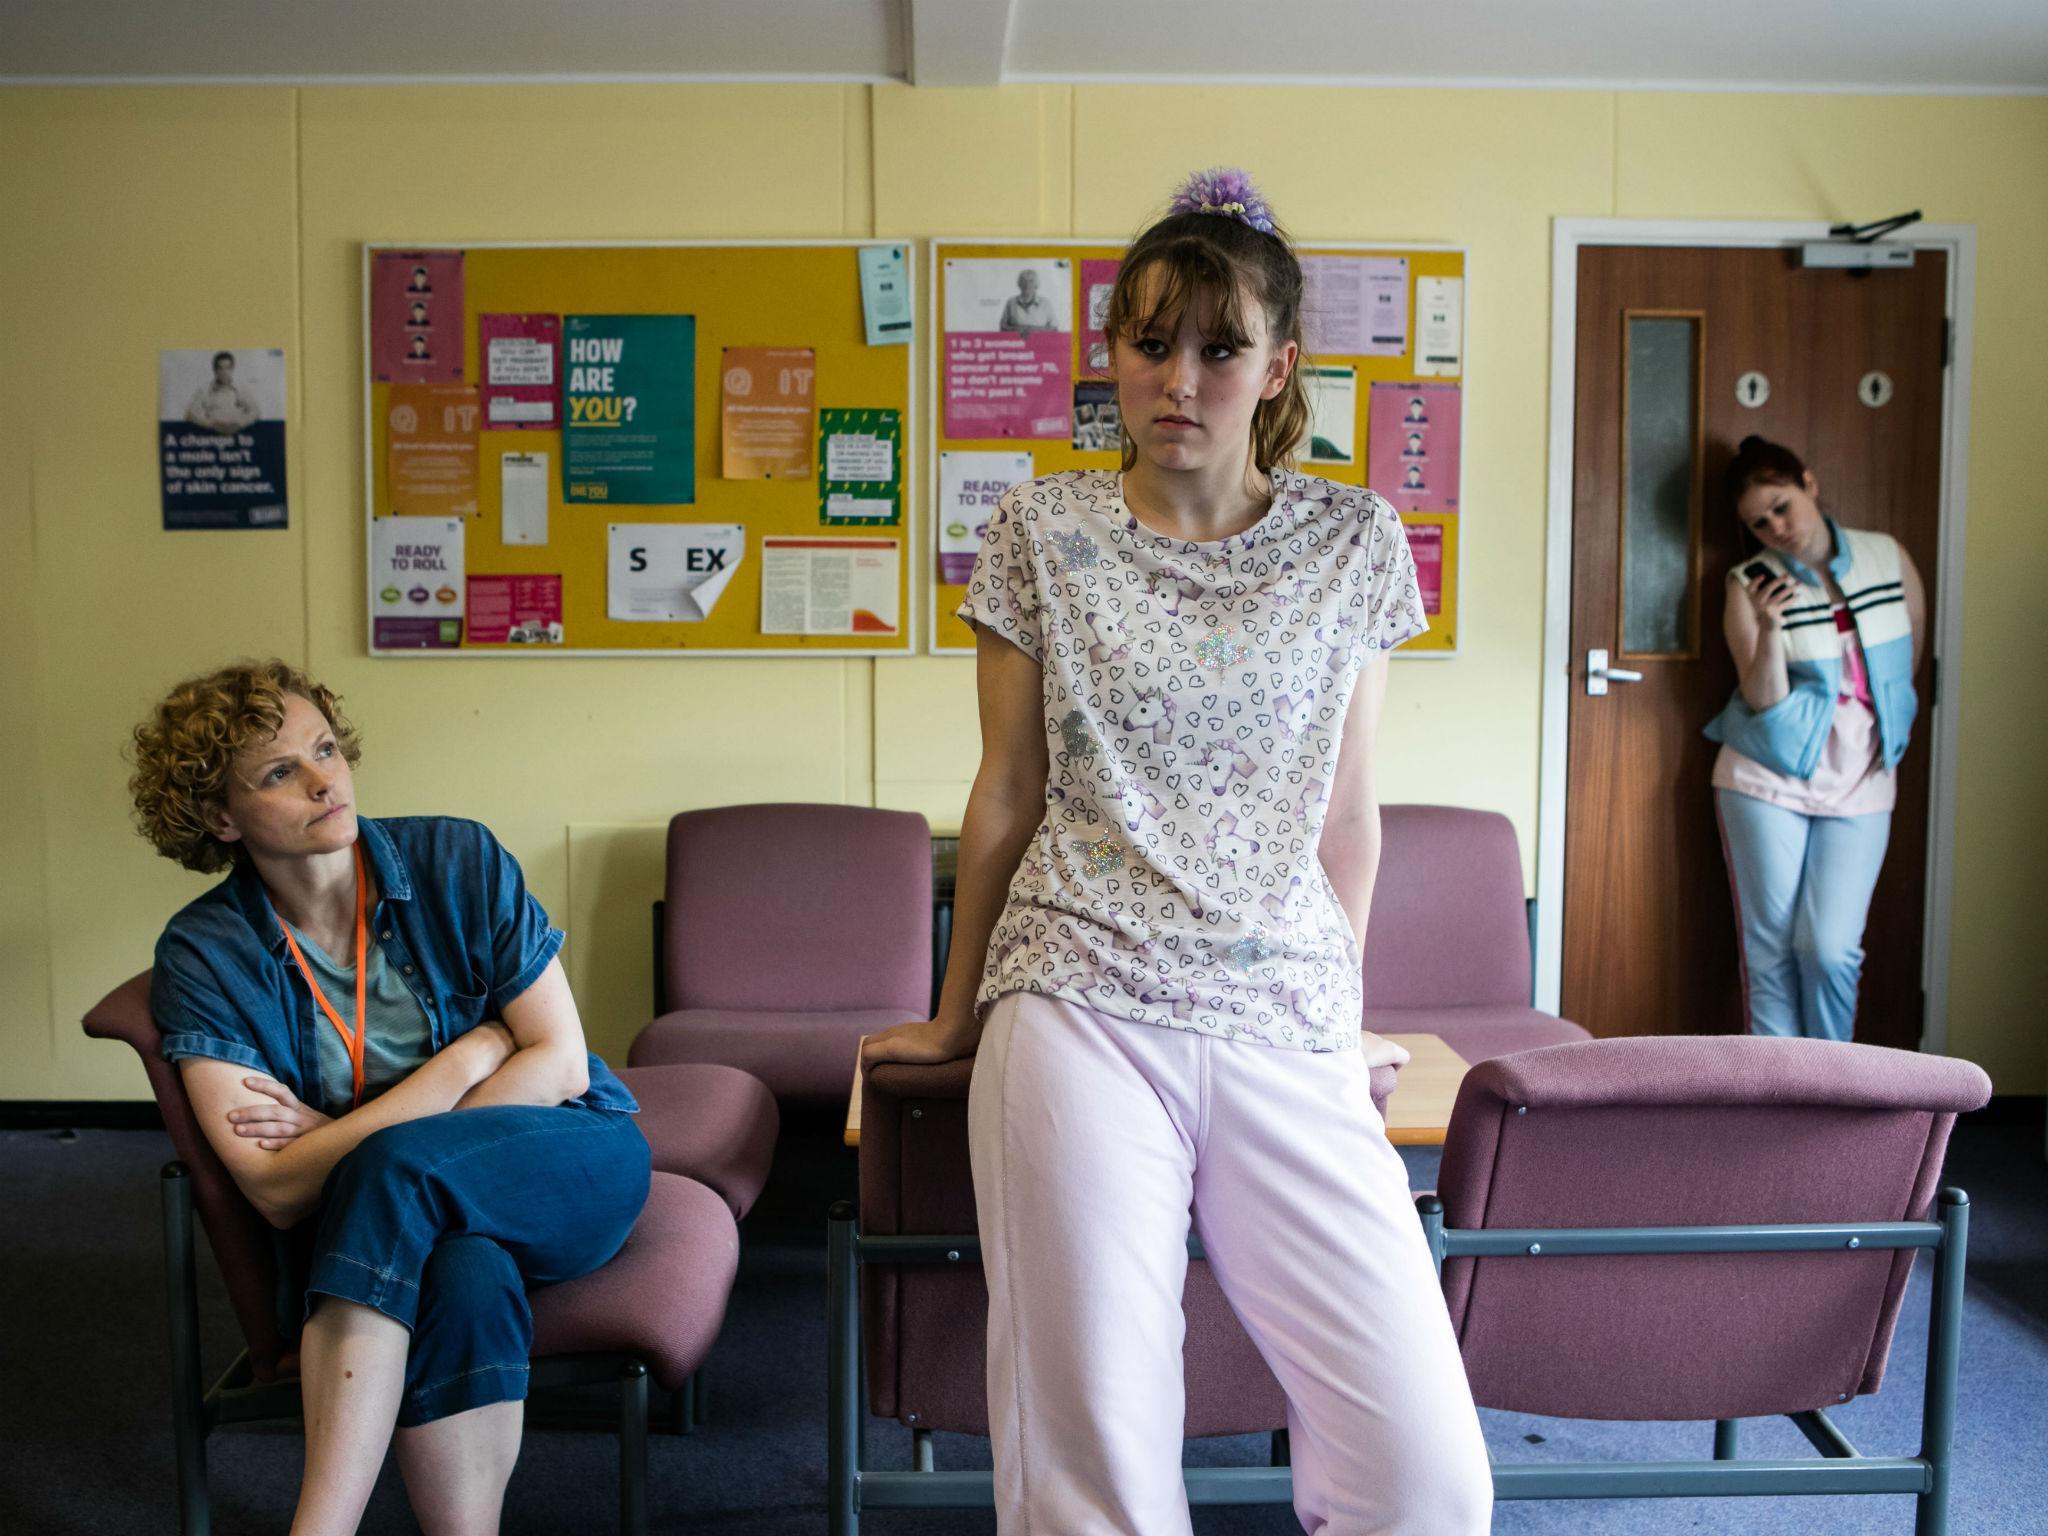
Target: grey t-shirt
<point>1195,696</point>
<point>399,1041</point>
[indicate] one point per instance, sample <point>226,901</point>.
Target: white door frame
<point>1959,242</point>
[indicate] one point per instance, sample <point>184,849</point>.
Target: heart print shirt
<point>1195,696</point>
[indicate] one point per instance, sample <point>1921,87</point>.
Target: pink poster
<point>1098,280</point>
<point>518,356</point>
<point>1425,542</point>
<point>416,317</point>
<point>515,610</point>
<point>1009,360</point>
<point>1412,446</point>
<point>1008,385</point>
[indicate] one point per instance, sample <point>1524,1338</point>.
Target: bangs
<point>1185,273</point>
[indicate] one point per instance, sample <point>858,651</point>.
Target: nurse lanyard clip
<point>352,1038</point>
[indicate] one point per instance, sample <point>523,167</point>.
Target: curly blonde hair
<point>183,751</point>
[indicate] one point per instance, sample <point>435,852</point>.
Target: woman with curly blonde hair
<point>329,1004</point>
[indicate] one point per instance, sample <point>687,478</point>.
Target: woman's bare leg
<point>456,1468</point>
<point>351,1371</point>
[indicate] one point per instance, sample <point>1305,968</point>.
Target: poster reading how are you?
<point>629,416</point>
<point>220,437</point>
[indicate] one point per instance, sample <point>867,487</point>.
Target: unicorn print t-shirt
<point>1195,696</point>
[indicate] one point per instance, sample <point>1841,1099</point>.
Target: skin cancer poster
<point>1009,348</point>
<point>220,438</point>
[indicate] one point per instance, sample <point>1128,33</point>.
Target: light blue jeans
<point>1802,893</point>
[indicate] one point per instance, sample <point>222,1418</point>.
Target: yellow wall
<point>140,219</point>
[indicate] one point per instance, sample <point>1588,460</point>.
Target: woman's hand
<point>277,1123</point>
<point>924,1043</point>
<point>1770,595</point>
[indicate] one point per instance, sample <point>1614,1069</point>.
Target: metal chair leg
<point>633,1449</point>
<point>921,1450</point>
<point>188,1390</point>
<point>843,1409</point>
<point>1727,1439</point>
<point>1944,1355</point>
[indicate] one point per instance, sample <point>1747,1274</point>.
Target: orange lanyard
<point>352,1038</point>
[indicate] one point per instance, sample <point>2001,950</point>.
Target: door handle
<point>1599,674</point>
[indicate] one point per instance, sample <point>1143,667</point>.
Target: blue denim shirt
<point>467,938</point>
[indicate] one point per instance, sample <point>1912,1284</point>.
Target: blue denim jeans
<point>446,1222</point>
<point>1802,892</point>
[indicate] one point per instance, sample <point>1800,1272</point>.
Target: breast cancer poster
<point>1009,347</point>
<point>1413,446</point>
<point>629,417</point>
<point>416,317</point>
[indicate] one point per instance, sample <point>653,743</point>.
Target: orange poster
<point>432,437</point>
<point>769,395</point>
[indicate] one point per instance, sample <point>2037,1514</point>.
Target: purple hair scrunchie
<point>1225,190</point>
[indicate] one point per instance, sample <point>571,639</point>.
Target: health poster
<point>1426,543</point>
<point>1009,348</point>
<point>416,581</point>
<point>833,586</point>
<point>970,485</point>
<point>769,394</point>
<point>1333,415</point>
<point>515,610</point>
<point>220,438</point>
<point>416,317</point>
<point>885,294</point>
<point>432,449</point>
<point>518,355</point>
<point>1354,306</point>
<point>1413,446</point>
<point>1098,282</point>
<point>860,468</point>
<point>669,572</point>
<point>629,410</point>
<point>1439,326</point>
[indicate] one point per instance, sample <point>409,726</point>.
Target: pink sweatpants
<point>1093,1142</point>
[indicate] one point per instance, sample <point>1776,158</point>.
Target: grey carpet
<point>87,1446</point>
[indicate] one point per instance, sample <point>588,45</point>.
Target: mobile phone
<point>1754,569</point>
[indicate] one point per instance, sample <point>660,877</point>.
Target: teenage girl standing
<point>1165,865</point>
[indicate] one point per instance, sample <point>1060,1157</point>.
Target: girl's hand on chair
<point>922,1043</point>
<point>276,1124</point>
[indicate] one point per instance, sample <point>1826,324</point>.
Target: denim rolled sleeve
<point>194,1006</point>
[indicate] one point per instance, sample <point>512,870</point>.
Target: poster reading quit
<point>220,438</point>
<point>629,409</point>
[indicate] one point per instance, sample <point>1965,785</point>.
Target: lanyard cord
<point>352,1038</point>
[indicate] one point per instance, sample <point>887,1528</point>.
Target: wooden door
<point>1681,354</point>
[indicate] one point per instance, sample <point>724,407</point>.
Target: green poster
<point>860,468</point>
<point>629,407</point>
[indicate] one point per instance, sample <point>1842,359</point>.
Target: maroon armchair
<point>788,932</point>
<point>1644,1135</point>
<point>655,1309</point>
<point>1447,946</point>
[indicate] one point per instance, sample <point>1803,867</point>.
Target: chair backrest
<point>1690,1131</point>
<point>243,1244</point>
<point>798,907</point>
<point>1449,923</point>
<point>925,1326</point>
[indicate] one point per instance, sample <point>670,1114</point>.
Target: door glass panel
<point>1660,458</point>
